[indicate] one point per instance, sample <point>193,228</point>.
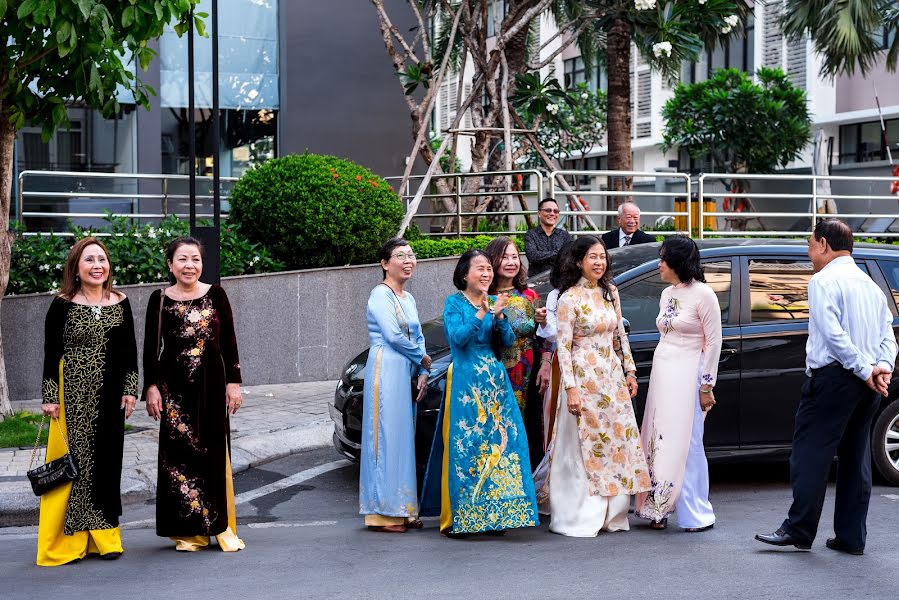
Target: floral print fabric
<point>519,357</point>
<point>610,441</point>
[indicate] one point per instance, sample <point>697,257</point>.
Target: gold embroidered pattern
<point>197,326</point>
<point>50,391</point>
<point>85,337</point>
<point>129,388</point>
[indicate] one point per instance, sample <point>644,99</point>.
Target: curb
<point>19,506</point>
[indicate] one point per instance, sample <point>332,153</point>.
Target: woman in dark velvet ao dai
<point>191,385</point>
<point>90,385</point>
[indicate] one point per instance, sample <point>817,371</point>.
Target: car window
<point>778,290</point>
<point>640,300</point>
<point>891,272</point>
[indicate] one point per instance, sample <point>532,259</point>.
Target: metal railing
<point>73,188</point>
<point>458,195</point>
<point>683,195</point>
<point>813,197</point>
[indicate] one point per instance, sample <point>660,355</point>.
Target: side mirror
<point>627,325</point>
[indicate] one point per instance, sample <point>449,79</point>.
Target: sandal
<point>659,525</point>
<point>453,536</point>
<point>415,524</point>
<point>698,529</point>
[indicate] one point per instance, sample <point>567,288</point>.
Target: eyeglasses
<point>550,211</point>
<point>404,256</point>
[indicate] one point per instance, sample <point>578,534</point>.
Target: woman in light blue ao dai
<point>388,493</point>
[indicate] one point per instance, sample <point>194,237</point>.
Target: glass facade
<point>865,142</point>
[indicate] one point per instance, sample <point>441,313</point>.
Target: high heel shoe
<point>659,525</point>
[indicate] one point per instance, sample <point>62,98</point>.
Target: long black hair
<point>681,254</point>
<point>570,272</point>
<point>495,251</point>
<point>464,265</point>
<point>386,252</point>
<point>556,273</point>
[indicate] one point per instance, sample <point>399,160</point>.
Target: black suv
<point>762,288</point>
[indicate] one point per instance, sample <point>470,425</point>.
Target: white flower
<point>597,126</point>
<point>137,234</point>
<point>58,266</point>
<point>44,267</point>
<point>701,2</point>
<point>255,260</point>
<point>726,29</point>
<point>151,233</point>
<point>732,20</point>
<point>645,4</point>
<point>584,96</point>
<point>661,49</point>
<point>553,108</point>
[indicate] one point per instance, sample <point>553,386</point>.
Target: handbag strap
<point>159,325</point>
<point>38,439</point>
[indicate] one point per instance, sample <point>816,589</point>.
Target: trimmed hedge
<point>316,211</point>
<point>436,247</point>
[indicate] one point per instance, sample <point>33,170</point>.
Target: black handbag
<point>54,473</point>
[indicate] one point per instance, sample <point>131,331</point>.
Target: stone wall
<point>291,327</point>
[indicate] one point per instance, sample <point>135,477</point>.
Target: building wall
<point>339,93</point>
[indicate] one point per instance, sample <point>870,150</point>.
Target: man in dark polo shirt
<point>542,243</point>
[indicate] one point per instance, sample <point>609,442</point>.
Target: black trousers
<point>834,418</point>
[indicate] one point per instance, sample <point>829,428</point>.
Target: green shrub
<point>137,253</point>
<point>316,211</point>
<point>436,247</point>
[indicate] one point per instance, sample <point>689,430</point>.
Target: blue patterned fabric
<point>488,472</point>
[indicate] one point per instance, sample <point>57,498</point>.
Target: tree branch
<point>571,40</point>
<point>37,57</point>
<point>425,44</point>
<point>385,22</point>
<point>395,57</point>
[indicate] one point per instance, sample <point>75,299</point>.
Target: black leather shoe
<point>835,544</point>
<point>782,538</point>
<point>111,556</point>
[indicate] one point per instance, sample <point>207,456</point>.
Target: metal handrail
<point>163,178</point>
<point>813,197</point>
<point>458,195</point>
<point>683,177</point>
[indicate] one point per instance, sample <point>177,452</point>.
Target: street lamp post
<point>209,236</point>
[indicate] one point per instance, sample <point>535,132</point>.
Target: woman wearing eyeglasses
<point>388,491</point>
<point>542,243</point>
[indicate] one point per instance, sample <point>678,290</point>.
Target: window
<point>640,300</point>
<point>736,52</point>
<point>778,290</point>
<point>575,72</point>
<point>891,272</point>
<point>864,142</point>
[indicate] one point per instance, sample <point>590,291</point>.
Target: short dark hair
<point>495,251</point>
<point>463,266</point>
<point>386,251</point>
<point>182,241</point>
<point>837,234</point>
<point>681,254</point>
<point>545,200</point>
<point>570,273</point>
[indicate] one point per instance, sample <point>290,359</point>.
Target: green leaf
<point>95,79</point>
<point>3,7</point>
<point>128,16</point>
<point>200,26</point>
<point>26,8</point>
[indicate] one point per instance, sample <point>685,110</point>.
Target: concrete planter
<point>291,327</point>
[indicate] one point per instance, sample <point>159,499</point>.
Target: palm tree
<point>666,34</point>
<point>847,34</point>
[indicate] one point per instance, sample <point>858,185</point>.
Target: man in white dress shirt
<point>850,356</point>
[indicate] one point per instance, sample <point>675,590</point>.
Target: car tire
<point>887,421</point>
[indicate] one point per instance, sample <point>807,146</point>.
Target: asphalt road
<point>304,539</point>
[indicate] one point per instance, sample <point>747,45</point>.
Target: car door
<point>774,332</point>
<point>640,306</point>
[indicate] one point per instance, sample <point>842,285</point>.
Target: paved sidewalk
<point>274,421</point>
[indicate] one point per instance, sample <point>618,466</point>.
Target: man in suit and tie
<point>628,232</point>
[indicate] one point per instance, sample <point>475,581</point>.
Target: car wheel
<point>885,443</point>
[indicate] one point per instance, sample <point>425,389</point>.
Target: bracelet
<point>631,376</point>
<point>708,391</point>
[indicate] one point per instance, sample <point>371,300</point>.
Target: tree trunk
<point>7,143</point>
<point>619,103</point>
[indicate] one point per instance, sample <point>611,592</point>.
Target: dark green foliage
<point>744,126</point>
<point>436,247</point>
<point>137,254</point>
<point>316,211</point>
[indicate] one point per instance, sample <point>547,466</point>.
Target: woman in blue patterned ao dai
<point>479,466</point>
<point>388,492</point>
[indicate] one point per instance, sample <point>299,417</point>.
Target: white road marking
<point>287,482</point>
<point>890,496</point>
<point>307,524</point>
